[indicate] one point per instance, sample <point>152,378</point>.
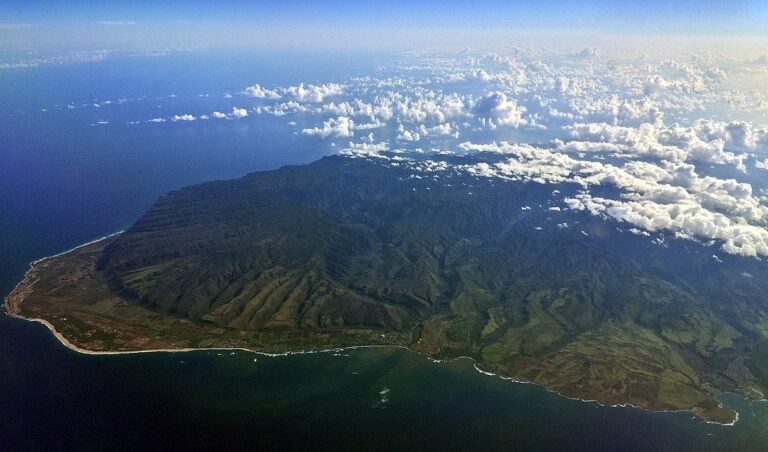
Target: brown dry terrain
<point>66,292</point>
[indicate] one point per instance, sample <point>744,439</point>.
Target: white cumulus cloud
<point>313,93</point>
<point>260,92</point>
<point>239,112</point>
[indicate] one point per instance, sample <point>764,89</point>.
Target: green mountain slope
<point>349,251</point>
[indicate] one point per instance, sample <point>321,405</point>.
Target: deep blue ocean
<point>65,181</point>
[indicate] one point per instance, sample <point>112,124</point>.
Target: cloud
<point>373,124</point>
<point>685,78</point>
<point>366,149</point>
<point>684,220</point>
<point>661,146</point>
<point>669,196</point>
<point>704,141</point>
<point>338,127</point>
<point>282,108</point>
<point>259,92</point>
<point>239,112</point>
<point>655,84</point>
<point>408,135</point>
<point>495,109</point>
<point>739,134</point>
<point>615,110</point>
<point>186,118</point>
<point>313,93</point>
<point>423,131</point>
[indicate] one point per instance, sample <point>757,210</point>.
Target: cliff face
<point>348,250</point>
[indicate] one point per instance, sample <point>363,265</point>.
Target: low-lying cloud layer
<point>681,145</point>
<point>666,137</point>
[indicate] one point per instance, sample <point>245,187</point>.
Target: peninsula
<point>364,251</point>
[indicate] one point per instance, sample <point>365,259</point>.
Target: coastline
<point>7,301</point>
<point>7,307</point>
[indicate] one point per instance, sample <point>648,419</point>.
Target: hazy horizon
<point>618,29</point>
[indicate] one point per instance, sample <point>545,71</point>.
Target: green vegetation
<point>348,252</point>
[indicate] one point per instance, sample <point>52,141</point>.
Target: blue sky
<point>84,24</point>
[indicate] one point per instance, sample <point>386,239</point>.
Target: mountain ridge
<point>353,251</point>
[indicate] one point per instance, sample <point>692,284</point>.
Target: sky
<point>397,25</point>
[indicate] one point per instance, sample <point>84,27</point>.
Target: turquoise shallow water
<point>63,182</point>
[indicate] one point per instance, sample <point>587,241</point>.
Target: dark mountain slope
<point>355,251</point>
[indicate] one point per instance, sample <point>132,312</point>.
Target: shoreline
<point>74,347</point>
<point>7,300</point>
<point>64,341</point>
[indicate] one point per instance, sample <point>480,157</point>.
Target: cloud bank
<point>661,147</point>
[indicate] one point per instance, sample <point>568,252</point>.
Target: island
<point>363,251</point>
